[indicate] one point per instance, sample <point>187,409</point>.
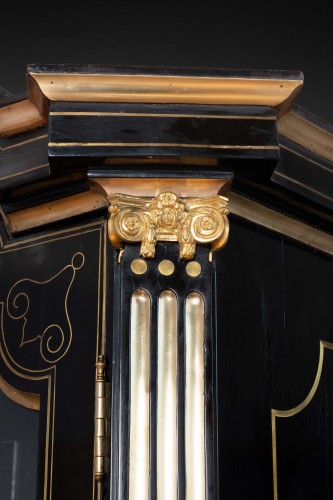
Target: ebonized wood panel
<point>24,159</point>
<point>51,306</point>
<point>274,301</point>
<point>129,129</point>
<point>304,173</point>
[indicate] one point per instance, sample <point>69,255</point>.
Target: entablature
<point>84,126</point>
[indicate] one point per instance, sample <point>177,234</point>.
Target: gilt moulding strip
<point>140,186</point>
<point>309,135</point>
<point>53,211</point>
<point>38,216</point>
<point>74,86</point>
<point>280,223</point>
<point>19,117</point>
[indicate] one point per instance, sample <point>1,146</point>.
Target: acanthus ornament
<point>167,217</point>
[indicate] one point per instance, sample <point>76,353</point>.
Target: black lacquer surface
<point>171,130</point>
<point>273,307</point>
<point>51,306</point>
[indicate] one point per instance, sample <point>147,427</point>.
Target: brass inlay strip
<point>308,188</point>
<point>18,144</point>
<point>160,115</point>
<point>165,88</point>
<point>24,171</point>
<point>330,170</point>
<point>39,374</point>
<point>195,452</point>
<point>27,399</point>
<point>31,242</point>
<point>103,336</point>
<point>167,463</point>
<point>139,470</point>
<point>296,409</point>
<point>158,144</point>
<point>280,223</point>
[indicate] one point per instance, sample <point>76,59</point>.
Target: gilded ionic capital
<point>166,217</point>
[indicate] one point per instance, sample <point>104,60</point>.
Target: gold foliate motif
<point>166,217</point>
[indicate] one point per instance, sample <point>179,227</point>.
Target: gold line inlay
<point>167,463</point>
<point>50,355</point>
<point>157,144</point>
<point>18,144</point>
<point>24,171</point>
<point>52,437</point>
<point>21,244</point>
<point>195,462</point>
<point>295,410</point>
<point>319,193</point>
<point>103,337</point>
<point>27,399</point>
<point>40,374</point>
<point>160,115</point>
<point>139,396</point>
<point>307,159</point>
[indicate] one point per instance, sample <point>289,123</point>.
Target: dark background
<point>273,35</point>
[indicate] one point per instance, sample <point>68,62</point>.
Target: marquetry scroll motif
<point>167,217</point>
<point>37,312</point>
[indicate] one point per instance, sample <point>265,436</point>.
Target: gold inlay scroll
<point>167,217</point>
